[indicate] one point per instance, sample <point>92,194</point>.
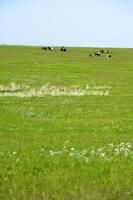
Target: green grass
<point>32,127</point>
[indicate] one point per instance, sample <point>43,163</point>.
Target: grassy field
<point>75,146</point>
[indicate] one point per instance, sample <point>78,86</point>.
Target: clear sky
<point>67,22</point>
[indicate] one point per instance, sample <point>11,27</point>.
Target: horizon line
<point>76,46</point>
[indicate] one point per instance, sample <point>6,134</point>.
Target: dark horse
<point>63,49</point>
<point>109,56</point>
<point>97,54</point>
<point>47,48</point>
<point>102,51</point>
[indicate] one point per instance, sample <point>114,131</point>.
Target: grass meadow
<point>72,137</point>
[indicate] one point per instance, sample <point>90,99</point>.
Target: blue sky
<point>67,22</point>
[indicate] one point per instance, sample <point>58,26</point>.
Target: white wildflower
<point>51,153</point>
<point>18,160</point>
<point>14,153</point>
<point>71,154</point>
<point>129,145</point>
<point>92,152</point>
<point>117,151</point>
<point>84,152</point>
<point>86,159</point>
<point>111,145</point>
<point>126,153</point>
<point>100,149</point>
<point>67,142</point>
<point>72,149</point>
<point>102,155</point>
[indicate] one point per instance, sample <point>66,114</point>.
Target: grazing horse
<point>50,48</point>
<point>97,54</point>
<point>63,49</point>
<point>109,56</point>
<point>44,48</point>
<point>102,51</point>
<point>47,48</point>
<point>92,54</point>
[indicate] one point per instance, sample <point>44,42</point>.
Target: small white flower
<point>51,153</point>
<point>14,153</point>
<point>84,152</point>
<point>71,154</point>
<point>102,154</point>
<point>72,149</point>
<point>111,145</point>
<point>129,145</point>
<point>17,160</point>
<point>92,152</point>
<point>86,159</point>
<point>117,152</point>
<point>67,142</point>
<point>100,149</point>
<point>126,153</point>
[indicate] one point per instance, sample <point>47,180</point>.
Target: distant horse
<point>47,48</point>
<point>63,49</point>
<point>92,54</point>
<point>50,48</point>
<point>102,51</point>
<point>44,48</point>
<point>97,54</point>
<point>109,56</point>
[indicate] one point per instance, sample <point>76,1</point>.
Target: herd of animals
<point>98,53</point>
<point>51,49</point>
<point>101,52</point>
